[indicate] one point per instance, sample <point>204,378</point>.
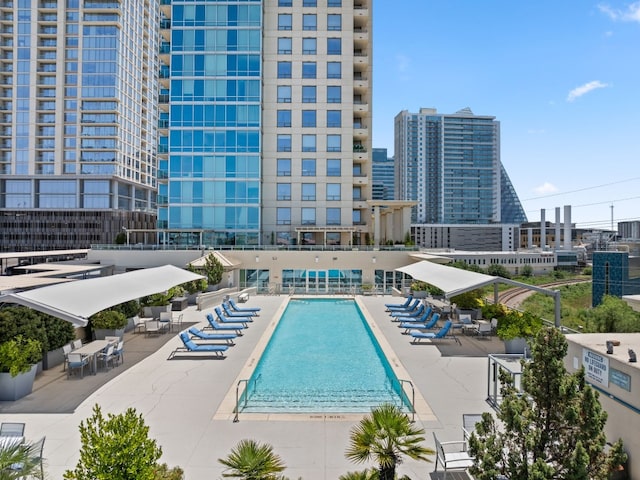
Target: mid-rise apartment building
<point>78,91</point>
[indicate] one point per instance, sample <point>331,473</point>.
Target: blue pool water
<point>322,357</point>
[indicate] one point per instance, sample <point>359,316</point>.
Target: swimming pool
<point>322,357</point>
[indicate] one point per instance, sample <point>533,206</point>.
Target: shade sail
<point>227,262</point>
<point>453,281</point>
<point>77,301</point>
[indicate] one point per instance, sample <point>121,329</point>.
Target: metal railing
<point>244,381</point>
<point>412,401</point>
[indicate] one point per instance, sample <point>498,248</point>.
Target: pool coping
<point>226,410</point>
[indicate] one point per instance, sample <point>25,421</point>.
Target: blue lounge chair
<point>235,327</point>
<point>191,346</point>
<point>242,309</point>
<point>417,335</point>
<point>420,326</point>
<point>412,306</point>
<point>231,314</point>
<point>222,319</point>
<point>400,305</point>
<point>414,313</point>
<point>228,337</point>
<point>422,318</point>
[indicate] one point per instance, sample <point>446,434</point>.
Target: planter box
<point>154,312</point>
<point>52,359</point>
<point>420,294</point>
<point>516,345</point>
<point>14,388</point>
<point>102,333</point>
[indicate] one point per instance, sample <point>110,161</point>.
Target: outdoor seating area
<point>216,337</point>
<point>417,318</point>
<point>88,357</point>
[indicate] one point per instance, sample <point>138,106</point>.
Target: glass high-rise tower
<point>78,90</point>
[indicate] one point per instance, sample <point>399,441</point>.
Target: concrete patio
<point>179,399</point>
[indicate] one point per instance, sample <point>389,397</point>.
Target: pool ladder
<point>401,383</point>
<point>244,381</point>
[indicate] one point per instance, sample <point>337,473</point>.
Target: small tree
<point>250,460</point>
<point>386,435</point>
<point>554,429</point>
<point>612,315</point>
<point>498,270</point>
<point>526,271</point>
<point>213,269</point>
<point>115,448</point>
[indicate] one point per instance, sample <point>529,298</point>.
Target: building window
<point>308,192</point>
<point>334,3</point>
<point>284,191</point>
<point>308,216</point>
<point>284,69</point>
<point>309,3</point>
<point>334,69</point>
<point>284,167</point>
<point>334,21</point>
<point>334,143</point>
<point>308,118</point>
<point>308,167</point>
<point>285,3</point>
<point>333,191</point>
<point>334,168</point>
<point>357,192</point>
<point>309,69</point>
<point>284,21</point>
<point>334,46</point>
<point>284,94</point>
<point>309,94</point>
<point>334,118</point>
<point>334,94</point>
<point>309,46</point>
<point>308,143</point>
<point>283,216</point>
<point>333,216</point>
<point>284,118</point>
<point>309,21</point>
<point>284,45</point>
<point>284,143</point>
<point>356,217</point>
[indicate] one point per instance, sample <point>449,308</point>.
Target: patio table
<point>91,350</point>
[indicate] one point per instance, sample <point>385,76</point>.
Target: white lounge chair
<point>452,455</point>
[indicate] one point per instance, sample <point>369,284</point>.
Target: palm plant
<point>250,460</point>
<point>386,435</point>
<point>20,461</point>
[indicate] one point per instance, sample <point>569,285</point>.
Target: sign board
<point>596,367</point>
<point>620,379</point>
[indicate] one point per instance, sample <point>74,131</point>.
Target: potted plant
<point>419,289</point>
<point>108,323</point>
<point>515,328</point>
<point>469,303</point>
<point>18,363</point>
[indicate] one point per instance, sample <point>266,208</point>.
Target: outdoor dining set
<point>107,352</point>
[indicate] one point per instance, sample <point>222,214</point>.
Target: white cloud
<point>631,14</point>
<point>545,189</point>
<point>584,89</point>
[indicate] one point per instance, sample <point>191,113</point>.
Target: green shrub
<point>518,325</point>
<point>419,286</point>
<point>468,300</point>
<point>526,271</point>
<point>108,320</point>
<point>59,332</point>
<point>213,269</point>
<point>19,354</point>
<point>128,309</point>
<point>18,320</point>
<point>156,300</point>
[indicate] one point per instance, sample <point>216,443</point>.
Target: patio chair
<point>76,361</point>
<point>222,319</point>
<point>152,327</point>
<point>66,350</point>
<point>469,421</point>
<point>236,327</point>
<point>12,429</point>
<point>464,320</point>
<point>408,326</point>
<point>77,344</point>
<point>118,353</point>
<point>443,333</point>
<point>414,313</point>
<point>231,314</point>
<point>190,346</point>
<point>242,309</point>
<point>106,356</point>
<point>165,321</point>
<point>452,455</point>
<point>228,337</point>
<point>176,321</point>
<point>35,452</point>
<point>400,305</point>
<point>138,324</point>
<point>412,306</point>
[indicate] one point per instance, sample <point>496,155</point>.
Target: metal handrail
<point>236,418</point>
<point>413,397</point>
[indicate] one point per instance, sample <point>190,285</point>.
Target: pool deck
<point>180,400</point>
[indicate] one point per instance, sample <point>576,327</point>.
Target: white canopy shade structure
<point>454,281</point>
<point>77,301</point>
<point>227,262</point>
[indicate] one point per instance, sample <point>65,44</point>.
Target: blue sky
<point>562,77</point>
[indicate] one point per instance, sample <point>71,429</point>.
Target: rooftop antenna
<point>611,217</point>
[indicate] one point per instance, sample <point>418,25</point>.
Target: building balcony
<point>165,8</point>
<point>361,179</point>
<point>360,106</point>
<point>360,133</point>
<point>360,58</point>
<point>361,11</point>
